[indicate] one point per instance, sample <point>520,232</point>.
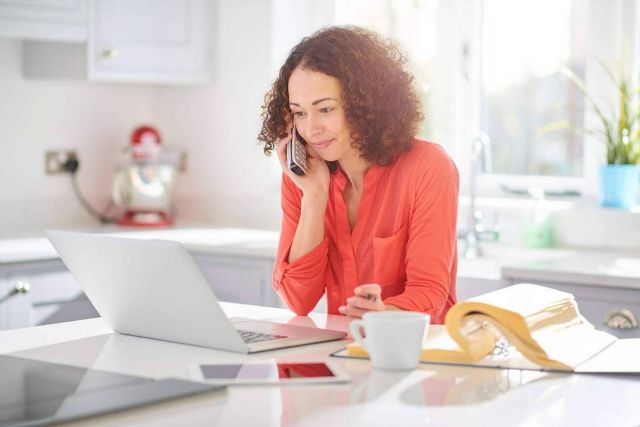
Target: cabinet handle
<point>110,53</point>
<point>21,287</point>
<point>621,318</point>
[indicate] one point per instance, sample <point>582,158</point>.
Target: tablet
<point>269,372</point>
<point>37,393</point>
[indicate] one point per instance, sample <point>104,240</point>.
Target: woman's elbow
<point>301,311</point>
<point>300,306</point>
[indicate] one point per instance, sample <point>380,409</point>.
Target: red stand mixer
<point>145,180</point>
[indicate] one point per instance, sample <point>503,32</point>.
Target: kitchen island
<point>430,395</point>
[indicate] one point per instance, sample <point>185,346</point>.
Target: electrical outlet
<point>55,161</point>
<point>183,162</point>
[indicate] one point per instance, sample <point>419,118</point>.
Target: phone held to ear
<point>296,154</point>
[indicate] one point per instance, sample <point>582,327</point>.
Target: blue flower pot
<point>619,185</point>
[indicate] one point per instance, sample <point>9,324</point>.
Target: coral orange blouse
<point>404,238</point>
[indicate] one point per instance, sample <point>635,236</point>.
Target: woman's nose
<point>314,125</point>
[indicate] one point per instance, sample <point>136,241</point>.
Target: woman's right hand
<point>315,183</point>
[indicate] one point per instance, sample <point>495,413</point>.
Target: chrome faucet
<point>480,163</point>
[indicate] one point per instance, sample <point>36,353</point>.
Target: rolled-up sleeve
<point>299,283</point>
<point>431,255</point>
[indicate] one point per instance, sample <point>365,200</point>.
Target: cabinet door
<point>56,296</point>
<point>598,312</point>
<point>149,40</point>
<point>53,20</point>
<point>597,303</point>
<point>469,287</point>
<point>37,293</point>
<point>239,279</point>
<point>15,304</point>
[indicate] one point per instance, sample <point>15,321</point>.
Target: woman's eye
<point>326,110</point>
<point>298,113</point>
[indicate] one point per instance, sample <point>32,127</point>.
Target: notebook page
<point>574,345</point>
<point>525,298</point>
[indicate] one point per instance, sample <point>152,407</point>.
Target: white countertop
<point>430,395</point>
<point>606,268</point>
<point>500,261</point>
<point>222,241</point>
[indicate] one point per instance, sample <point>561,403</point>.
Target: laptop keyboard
<point>253,336</point>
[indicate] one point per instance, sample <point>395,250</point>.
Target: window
<point>532,112</point>
<point>493,66</point>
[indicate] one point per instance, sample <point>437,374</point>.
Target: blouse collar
<point>371,177</point>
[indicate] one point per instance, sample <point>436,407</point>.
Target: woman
<point>373,222</point>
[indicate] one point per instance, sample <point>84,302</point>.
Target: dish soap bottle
<point>538,231</point>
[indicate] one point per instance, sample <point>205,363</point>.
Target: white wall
<point>229,180</point>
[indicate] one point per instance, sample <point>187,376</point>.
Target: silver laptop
<point>154,289</point>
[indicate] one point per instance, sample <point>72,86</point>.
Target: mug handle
<point>354,328</point>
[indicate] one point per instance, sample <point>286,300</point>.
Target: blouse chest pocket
<point>389,258</point>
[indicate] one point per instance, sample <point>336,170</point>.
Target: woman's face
<point>315,100</point>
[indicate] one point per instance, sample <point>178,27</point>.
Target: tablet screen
<point>38,393</point>
<point>265,371</point>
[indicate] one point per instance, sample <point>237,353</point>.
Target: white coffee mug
<point>393,338</point>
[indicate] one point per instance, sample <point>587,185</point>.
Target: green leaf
<point>621,129</point>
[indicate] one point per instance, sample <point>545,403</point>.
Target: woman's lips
<point>321,145</point>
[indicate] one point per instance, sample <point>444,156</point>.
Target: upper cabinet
<point>150,41</point>
<point>144,41</point>
<point>54,20</point>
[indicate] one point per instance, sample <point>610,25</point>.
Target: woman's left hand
<point>366,298</point>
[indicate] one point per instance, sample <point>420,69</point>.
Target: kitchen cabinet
<point>469,287</point>
<point>41,292</point>
<point>239,279</point>
<point>53,20</point>
<point>15,305</point>
<point>160,41</point>
<point>44,292</point>
<point>136,41</point>
<point>604,306</point>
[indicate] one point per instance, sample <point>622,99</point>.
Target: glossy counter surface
<point>430,395</point>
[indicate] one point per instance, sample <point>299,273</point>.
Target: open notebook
<point>524,326</point>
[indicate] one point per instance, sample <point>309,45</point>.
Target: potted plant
<point>620,176</point>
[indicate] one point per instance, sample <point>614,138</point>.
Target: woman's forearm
<point>310,231</point>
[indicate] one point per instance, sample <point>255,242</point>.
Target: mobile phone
<point>269,371</point>
<point>296,154</point>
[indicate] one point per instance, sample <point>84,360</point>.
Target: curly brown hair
<point>379,98</point>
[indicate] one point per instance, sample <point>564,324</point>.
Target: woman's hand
<point>315,183</point>
<point>366,298</point>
